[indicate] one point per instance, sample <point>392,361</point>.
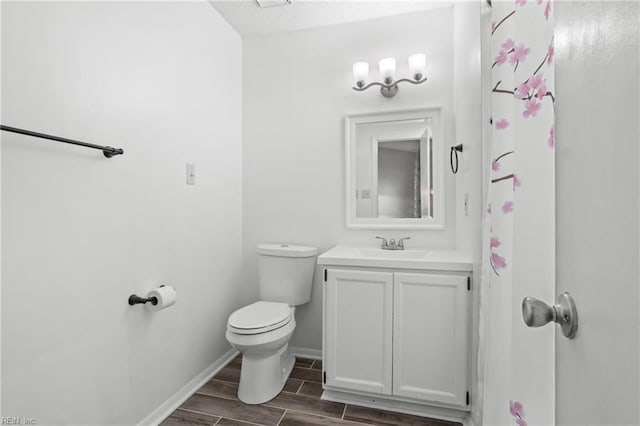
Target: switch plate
<point>191,174</point>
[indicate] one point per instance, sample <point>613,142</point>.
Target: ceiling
<point>250,20</point>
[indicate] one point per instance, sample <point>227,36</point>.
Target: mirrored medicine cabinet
<point>394,170</point>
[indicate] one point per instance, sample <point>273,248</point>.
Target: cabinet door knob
<point>536,313</point>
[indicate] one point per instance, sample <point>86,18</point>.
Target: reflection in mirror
<point>400,184</point>
<point>392,170</point>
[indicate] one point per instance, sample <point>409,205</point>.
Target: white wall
<point>471,127</point>
<point>468,127</point>
<point>81,232</point>
<point>0,233</point>
<point>297,89</point>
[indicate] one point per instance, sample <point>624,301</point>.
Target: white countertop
<point>441,260</point>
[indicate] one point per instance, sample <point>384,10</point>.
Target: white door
<point>358,325</point>
<point>430,344</point>
<point>597,117</point>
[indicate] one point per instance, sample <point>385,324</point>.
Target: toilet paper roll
<point>166,296</point>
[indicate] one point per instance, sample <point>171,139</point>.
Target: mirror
<point>394,170</point>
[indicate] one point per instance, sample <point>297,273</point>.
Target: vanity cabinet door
<point>431,315</point>
<point>358,325</point>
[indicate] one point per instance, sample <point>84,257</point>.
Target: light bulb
<point>360,73</point>
<point>417,65</point>
<point>387,69</point>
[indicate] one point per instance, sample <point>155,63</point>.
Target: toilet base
<point>262,378</point>
<point>266,362</point>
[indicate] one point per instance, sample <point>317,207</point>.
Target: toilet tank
<point>286,273</point>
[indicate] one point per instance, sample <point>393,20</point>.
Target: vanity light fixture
<point>387,68</point>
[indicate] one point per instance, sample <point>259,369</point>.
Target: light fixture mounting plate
<point>271,3</point>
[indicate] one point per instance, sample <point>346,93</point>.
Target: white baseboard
<point>176,400</point>
<point>306,353</point>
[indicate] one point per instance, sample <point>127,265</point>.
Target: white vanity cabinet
<point>399,334</point>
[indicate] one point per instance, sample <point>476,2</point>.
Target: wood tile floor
<point>216,403</point>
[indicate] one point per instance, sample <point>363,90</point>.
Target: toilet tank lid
<point>286,250</point>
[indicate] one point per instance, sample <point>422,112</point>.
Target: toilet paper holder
<point>134,299</point>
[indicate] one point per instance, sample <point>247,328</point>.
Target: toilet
<point>261,330</point>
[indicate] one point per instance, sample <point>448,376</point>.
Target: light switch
<point>191,174</point>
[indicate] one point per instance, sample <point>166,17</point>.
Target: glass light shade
<point>360,71</point>
<point>387,67</point>
<point>417,65</point>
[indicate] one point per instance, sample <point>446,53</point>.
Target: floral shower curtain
<point>516,364</point>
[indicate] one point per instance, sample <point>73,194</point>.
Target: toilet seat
<point>259,317</point>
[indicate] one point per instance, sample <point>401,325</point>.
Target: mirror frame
<point>437,222</point>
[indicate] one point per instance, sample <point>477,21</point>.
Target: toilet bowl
<point>261,330</point>
<point>263,341</point>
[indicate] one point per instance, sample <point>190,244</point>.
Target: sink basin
<point>443,260</point>
<point>393,254</point>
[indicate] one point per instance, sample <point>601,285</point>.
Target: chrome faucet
<point>392,245</point>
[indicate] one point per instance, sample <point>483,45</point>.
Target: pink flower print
<point>550,52</point>
<point>521,2</point>
<point>539,1</point>
<point>541,92</point>
<point>531,108</point>
<point>516,409</point>
<point>494,242</point>
<point>519,54</point>
<point>508,45</point>
<point>495,166</point>
<point>498,261</point>
<point>516,181</point>
<point>489,208</point>
<point>552,136</point>
<point>547,10</point>
<point>501,58</point>
<point>502,124</point>
<point>522,91</point>
<point>507,207</point>
<point>535,81</point>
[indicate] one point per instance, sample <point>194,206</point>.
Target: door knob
<point>536,313</point>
